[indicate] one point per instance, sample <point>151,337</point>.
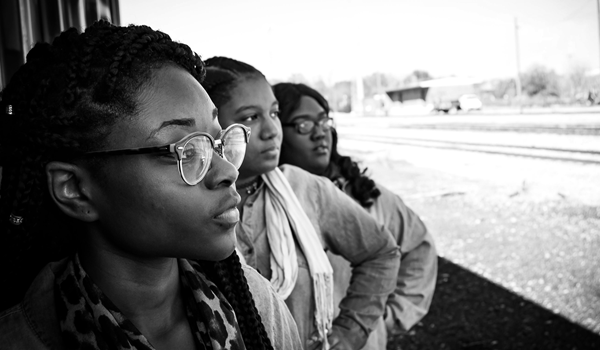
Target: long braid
<point>229,277</point>
<point>222,75</point>
<point>362,188</point>
<point>23,190</point>
<point>66,98</point>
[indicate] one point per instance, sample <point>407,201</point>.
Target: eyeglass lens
<point>196,157</point>
<point>308,126</point>
<point>198,151</point>
<point>234,146</point>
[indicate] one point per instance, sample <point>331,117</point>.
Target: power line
<point>569,16</point>
<point>598,6</point>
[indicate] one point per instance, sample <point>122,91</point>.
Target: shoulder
<point>296,175</point>
<point>406,225</point>
<point>255,280</point>
<point>32,324</point>
<point>307,184</point>
<point>15,332</point>
<point>387,198</point>
<point>275,315</point>
<point>261,289</point>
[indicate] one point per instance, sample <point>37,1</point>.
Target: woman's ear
<point>69,187</point>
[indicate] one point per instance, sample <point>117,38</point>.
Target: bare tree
<point>578,82</point>
<point>540,80</point>
<point>417,76</point>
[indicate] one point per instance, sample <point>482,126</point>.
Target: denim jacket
<point>345,229</point>
<point>418,268</point>
<point>33,324</point>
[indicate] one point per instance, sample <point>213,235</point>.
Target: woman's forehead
<point>252,90</point>
<point>174,100</point>
<point>308,106</point>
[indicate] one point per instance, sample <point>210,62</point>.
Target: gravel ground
<point>538,251</point>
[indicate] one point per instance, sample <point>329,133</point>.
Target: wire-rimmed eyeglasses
<point>306,126</point>
<point>194,152</point>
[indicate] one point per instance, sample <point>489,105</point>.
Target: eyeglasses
<point>306,126</point>
<point>194,152</point>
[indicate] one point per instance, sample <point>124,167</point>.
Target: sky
<point>337,40</point>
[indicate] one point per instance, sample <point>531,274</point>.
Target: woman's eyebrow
<point>167,123</point>
<point>309,116</point>
<point>243,108</point>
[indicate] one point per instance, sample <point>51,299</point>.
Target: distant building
<point>443,94</point>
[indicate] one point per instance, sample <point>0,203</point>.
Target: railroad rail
<point>584,156</point>
<point>563,129</point>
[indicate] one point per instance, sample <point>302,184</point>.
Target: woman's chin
<point>269,166</point>
<point>218,254</point>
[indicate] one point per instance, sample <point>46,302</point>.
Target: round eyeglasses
<point>306,126</point>
<point>194,152</point>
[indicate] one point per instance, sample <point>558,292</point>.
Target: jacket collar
<point>39,306</point>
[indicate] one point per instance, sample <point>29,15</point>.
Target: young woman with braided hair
<point>289,217</point>
<point>310,142</point>
<point>118,193</point>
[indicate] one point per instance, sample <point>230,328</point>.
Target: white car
<point>469,102</point>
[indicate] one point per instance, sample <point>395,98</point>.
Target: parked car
<point>469,102</point>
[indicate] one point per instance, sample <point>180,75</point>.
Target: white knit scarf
<point>285,217</point>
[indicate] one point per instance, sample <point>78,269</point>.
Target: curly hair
<point>68,96</point>
<point>362,188</point>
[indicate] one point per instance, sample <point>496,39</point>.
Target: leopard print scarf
<point>89,320</point>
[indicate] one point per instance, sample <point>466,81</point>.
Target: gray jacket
<point>33,324</point>
<point>345,229</point>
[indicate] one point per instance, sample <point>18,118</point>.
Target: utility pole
<point>518,79</point>
<point>598,7</point>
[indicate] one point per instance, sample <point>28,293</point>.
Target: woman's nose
<point>318,132</point>
<point>221,173</point>
<point>271,128</point>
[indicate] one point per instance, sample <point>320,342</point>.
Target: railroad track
<point>562,129</point>
<point>549,153</point>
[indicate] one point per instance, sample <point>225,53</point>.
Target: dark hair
<point>223,74</point>
<point>362,188</point>
<point>67,97</point>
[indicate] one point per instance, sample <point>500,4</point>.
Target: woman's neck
<point>247,187</point>
<point>243,184</point>
<point>146,291</point>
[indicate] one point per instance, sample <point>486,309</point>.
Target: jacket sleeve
<point>417,275</point>
<point>418,269</point>
<point>275,316</point>
<point>349,231</point>
<point>16,332</point>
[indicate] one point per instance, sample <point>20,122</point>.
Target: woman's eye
<point>249,118</point>
<point>169,157</point>
<point>189,153</point>
<point>275,114</point>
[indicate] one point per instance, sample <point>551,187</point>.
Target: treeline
<point>540,86</point>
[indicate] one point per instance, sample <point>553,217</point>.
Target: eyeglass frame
<point>178,147</point>
<point>320,123</point>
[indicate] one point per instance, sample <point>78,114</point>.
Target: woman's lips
<point>230,216</point>
<point>271,151</point>
<point>321,150</point>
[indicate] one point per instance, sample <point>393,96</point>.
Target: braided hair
<point>67,97</point>
<point>222,76</point>
<point>362,188</point>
